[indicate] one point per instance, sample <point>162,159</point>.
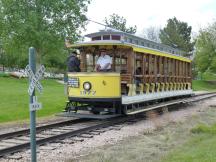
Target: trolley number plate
<point>87,93</point>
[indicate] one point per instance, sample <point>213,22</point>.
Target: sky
<point>146,13</point>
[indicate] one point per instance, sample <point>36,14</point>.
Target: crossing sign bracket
<point>35,105</point>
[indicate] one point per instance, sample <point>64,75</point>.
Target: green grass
<point>14,99</point>
<point>200,148</point>
<point>202,85</point>
<point>204,129</point>
<point>3,74</point>
<point>207,76</point>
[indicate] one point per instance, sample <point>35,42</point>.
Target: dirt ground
<point>170,131</point>
<point>146,140</point>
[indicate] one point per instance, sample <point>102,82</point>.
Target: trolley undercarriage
<point>125,105</point>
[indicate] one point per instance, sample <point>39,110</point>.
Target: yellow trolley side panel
<point>104,85</point>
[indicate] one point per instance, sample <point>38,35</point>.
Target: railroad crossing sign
<point>34,79</point>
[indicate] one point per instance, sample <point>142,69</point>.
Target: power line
<point>106,26</point>
<point>97,22</point>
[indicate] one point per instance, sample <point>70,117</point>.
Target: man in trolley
<point>104,62</point>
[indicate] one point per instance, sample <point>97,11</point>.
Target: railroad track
<point>39,128</point>
<point>194,98</point>
<point>19,140</point>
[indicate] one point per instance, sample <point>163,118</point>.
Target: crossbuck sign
<point>35,79</point>
<point>34,82</point>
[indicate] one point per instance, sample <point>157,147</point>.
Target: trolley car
<point>164,74</point>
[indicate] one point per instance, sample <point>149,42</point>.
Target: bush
<point>204,129</point>
<point>4,74</point>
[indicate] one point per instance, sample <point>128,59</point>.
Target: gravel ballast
<point>67,150</point>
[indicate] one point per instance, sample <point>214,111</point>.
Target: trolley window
<point>90,62</point>
<point>96,38</point>
<point>115,37</point>
<point>106,37</point>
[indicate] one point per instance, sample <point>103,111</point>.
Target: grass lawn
<point>202,85</point>
<point>200,148</point>
<point>208,76</point>
<point>14,99</point>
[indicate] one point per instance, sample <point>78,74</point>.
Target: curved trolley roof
<point>138,44</point>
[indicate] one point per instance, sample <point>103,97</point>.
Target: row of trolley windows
<point>168,68</point>
<point>106,37</point>
<point>161,68</point>
<point>129,40</point>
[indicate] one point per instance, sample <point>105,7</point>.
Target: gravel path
<point>70,151</point>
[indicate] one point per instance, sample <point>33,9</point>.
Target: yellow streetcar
<point>141,71</point>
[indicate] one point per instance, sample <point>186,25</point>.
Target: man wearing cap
<point>104,62</point>
<point>73,62</point>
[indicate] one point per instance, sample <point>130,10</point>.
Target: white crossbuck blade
<point>35,79</point>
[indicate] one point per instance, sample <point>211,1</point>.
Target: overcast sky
<point>145,13</point>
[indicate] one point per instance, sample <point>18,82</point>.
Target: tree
<point>152,33</point>
<point>177,34</point>
<point>205,58</point>
<point>118,22</point>
<point>43,24</point>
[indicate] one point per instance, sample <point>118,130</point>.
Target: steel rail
<point>73,133</point>
<point>117,120</point>
<point>39,128</point>
<point>202,94</point>
<point>57,124</point>
<point>173,102</point>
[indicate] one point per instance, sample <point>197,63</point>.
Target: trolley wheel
<point>124,110</point>
<point>95,112</point>
<point>71,106</point>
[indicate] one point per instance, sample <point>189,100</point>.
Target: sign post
<point>32,65</point>
<point>34,78</point>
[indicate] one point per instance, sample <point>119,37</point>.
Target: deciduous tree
<point>119,22</point>
<point>205,58</point>
<point>43,24</point>
<point>177,34</point>
<point>152,33</point>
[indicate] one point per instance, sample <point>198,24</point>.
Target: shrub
<point>204,129</point>
<point>4,74</point>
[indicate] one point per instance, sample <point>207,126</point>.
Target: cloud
<point>145,13</point>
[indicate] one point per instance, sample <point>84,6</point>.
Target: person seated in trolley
<point>104,62</point>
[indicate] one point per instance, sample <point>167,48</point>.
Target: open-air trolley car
<point>163,74</point>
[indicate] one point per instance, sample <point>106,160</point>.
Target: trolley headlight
<point>87,86</point>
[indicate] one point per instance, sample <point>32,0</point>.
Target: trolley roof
<point>125,40</point>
